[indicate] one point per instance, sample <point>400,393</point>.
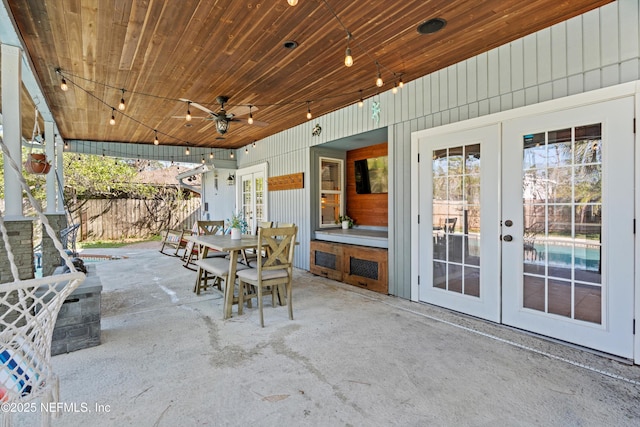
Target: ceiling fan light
<point>348,59</point>
<point>222,125</point>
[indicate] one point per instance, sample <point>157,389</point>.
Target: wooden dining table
<point>224,243</point>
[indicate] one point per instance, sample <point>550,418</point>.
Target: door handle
<point>507,238</point>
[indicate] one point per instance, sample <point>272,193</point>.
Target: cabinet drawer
<point>366,268</point>
<point>326,260</point>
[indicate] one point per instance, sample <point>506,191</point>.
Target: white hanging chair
<point>28,312</point>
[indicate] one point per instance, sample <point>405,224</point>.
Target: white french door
<point>459,225</point>
<point>252,197</point>
<point>530,223</point>
<point>567,246</point>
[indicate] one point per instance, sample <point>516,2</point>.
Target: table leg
<point>230,285</point>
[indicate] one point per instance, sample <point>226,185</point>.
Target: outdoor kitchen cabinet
<point>361,266</point>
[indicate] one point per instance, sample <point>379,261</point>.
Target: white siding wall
<point>592,51</point>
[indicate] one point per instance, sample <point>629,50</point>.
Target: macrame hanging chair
<point>28,312</point>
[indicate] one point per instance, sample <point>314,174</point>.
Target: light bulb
<point>113,120</point>
<point>246,150</point>
<point>211,155</point>
<point>63,85</point>
<point>292,2</point>
<point>203,160</point>
<point>121,106</point>
<point>395,89</point>
<point>188,117</point>
<point>348,59</point>
<point>232,155</point>
<point>254,143</point>
<point>187,152</point>
<point>155,140</point>
<point>361,103</point>
<point>400,83</point>
<point>250,119</point>
<point>379,81</point>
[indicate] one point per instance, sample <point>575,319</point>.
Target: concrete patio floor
<point>350,358</point>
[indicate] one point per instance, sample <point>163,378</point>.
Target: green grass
<point>97,244</point>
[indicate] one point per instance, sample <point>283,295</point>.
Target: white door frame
<point>587,98</point>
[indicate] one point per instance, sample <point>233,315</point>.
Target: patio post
<point>12,127</point>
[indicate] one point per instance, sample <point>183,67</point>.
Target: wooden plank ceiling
<point>160,51</point>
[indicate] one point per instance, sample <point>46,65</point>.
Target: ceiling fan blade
<point>244,121</point>
<point>193,117</point>
<point>199,107</point>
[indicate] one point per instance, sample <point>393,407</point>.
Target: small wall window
<point>331,190</point>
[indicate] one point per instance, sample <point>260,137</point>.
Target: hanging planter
<point>37,164</point>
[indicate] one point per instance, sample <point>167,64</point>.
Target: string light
<point>203,160</point>
<point>254,143</point>
<point>121,106</point>
<point>400,83</point>
<point>211,155</point>
<point>292,2</point>
<point>361,102</point>
<point>348,59</point>
<point>155,140</point>
<point>63,85</point>
<point>188,117</point>
<point>395,88</point>
<point>113,117</point>
<point>66,145</point>
<point>246,150</point>
<point>231,155</point>
<point>309,110</point>
<point>379,81</point>
<point>250,119</point>
<point>187,152</point>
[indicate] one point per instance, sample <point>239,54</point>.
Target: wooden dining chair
<point>252,255</point>
<point>192,251</point>
<point>276,271</point>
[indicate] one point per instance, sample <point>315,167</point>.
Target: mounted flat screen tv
<point>372,175</point>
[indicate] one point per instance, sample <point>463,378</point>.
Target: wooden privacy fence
<point>117,219</point>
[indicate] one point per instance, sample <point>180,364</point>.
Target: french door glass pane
<point>456,219</point>
<point>562,204</point>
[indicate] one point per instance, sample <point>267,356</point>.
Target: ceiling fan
<point>224,118</point>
